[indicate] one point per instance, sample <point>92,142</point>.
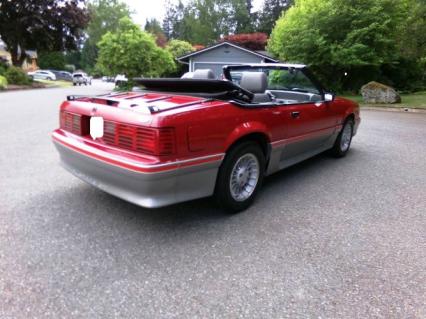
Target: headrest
<point>203,74</point>
<point>187,75</point>
<point>255,82</point>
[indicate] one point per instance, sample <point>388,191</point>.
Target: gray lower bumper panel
<point>146,190</point>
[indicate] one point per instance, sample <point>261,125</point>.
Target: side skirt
<point>279,161</point>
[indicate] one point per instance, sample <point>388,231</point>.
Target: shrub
<point>15,75</point>
<point>252,41</point>
<point>3,66</point>
<point>3,83</point>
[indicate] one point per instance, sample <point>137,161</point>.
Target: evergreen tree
<point>270,13</point>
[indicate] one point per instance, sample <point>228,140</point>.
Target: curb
<point>393,109</point>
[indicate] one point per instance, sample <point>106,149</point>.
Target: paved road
<point>326,239</point>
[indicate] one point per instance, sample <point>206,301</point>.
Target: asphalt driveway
<point>326,239</point>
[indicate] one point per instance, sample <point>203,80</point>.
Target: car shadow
<point>95,204</point>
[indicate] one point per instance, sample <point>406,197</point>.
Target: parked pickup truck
<point>81,78</point>
<point>181,139</point>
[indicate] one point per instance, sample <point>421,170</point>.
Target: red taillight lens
<point>75,123</point>
<point>166,141</point>
<point>151,141</point>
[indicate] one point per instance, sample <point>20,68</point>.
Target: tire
<point>74,84</point>
<point>49,79</point>
<point>343,142</point>
<point>249,155</point>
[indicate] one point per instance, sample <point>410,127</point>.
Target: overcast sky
<point>145,9</point>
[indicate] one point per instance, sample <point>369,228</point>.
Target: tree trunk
<point>17,59</point>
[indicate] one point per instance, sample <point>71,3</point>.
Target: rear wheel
<point>240,177</point>
<point>343,141</point>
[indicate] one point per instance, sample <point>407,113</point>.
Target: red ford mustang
<point>181,139</point>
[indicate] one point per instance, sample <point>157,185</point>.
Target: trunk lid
<point>142,102</point>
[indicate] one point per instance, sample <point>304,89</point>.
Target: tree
<point>413,38</point>
<point>241,17</point>
<point>132,52</point>
<point>104,17</point>
<point>252,41</point>
<point>344,42</point>
<point>172,19</point>
<point>270,13</point>
<point>205,21</point>
<point>153,26</point>
<point>51,60</point>
<point>50,25</point>
<point>73,60</point>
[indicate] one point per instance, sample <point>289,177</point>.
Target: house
<point>30,63</point>
<point>221,54</point>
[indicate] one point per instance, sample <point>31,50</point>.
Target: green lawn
<point>414,100</point>
<point>55,83</point>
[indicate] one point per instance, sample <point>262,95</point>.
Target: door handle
<point>295,114</point>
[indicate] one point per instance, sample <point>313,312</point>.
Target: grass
<point>415,100</point>
<point>55,83</point>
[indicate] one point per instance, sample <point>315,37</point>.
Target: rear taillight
<point>145,140</point>
<point>151,141</point>
<point>75,123</point>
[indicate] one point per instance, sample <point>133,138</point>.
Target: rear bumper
<point>150,186</point>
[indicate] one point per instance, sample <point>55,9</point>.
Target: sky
<point>146,9</point>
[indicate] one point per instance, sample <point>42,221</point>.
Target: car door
<point>37,75</point>
<point>310,121</point>
<point>308,127</point>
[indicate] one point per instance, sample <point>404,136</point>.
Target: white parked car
<point>42,75</point>
<point>120,78</point>
<point>80,78</point>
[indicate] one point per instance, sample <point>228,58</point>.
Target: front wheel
<point>240,177</point>
<point>343,141</point>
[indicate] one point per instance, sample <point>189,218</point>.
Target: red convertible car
<point>181,139</point>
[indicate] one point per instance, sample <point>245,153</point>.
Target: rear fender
<point>245,129</point>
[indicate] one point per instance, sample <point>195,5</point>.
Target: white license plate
<point>96,127</point>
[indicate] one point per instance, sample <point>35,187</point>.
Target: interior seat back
<point>206,74</point>
<point>256,82</point>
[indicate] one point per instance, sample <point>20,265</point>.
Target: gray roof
<point>30,53</point>
<point>265,53</point>
<point>262,54</point>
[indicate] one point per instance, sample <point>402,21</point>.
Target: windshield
<point>283,79</point>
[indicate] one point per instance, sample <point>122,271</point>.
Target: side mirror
<point>328,97</point>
